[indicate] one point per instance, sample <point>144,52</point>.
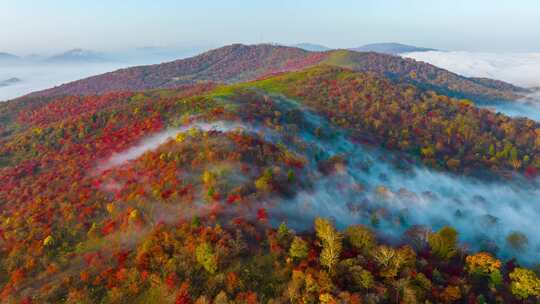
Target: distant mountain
<point>391,48</point>
<point>34,58</point>
<point>236,63</point>
<point>7,57</point>
<point>9,81</point>
<point>312,47</point>
<point>77,56</point>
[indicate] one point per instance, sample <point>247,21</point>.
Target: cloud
<point>521,69</point>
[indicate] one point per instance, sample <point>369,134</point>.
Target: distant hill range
<point>237,63</point>
<point>71,56</point>
<point>77,56</point>
<point>391,48</point>
<point>8,58</point>
<point>10,81</point>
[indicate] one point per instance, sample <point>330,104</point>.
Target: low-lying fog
<point>379,188</point>
<point>20,78</point>
<point>35,77</point>
<point>383,190</point>
<point>528,107</point>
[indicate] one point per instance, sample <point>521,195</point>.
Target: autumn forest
<point>269,174</point>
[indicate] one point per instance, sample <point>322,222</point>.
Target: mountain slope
<point>391,48</point>
<point>425,76</point>
<point>238,63</point>
<point>395,116</point>
<point>172,196</point>
<point>228,64</point>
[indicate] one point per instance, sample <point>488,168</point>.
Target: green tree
<point>206,257</point>
<point>299,248</point>
<point>444,243</point>
<point>284,235</point>
<point>360,237</point>
<point>361,277</point>
<point>264,182</point>
<point>491,150</point>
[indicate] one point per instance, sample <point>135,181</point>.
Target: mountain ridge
<point>238,62</point>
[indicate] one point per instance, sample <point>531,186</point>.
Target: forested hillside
<point>237,63</point>
<point>290,188</point>
<point>446,133</point>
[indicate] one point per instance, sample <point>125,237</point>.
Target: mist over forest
<point>250,152</point>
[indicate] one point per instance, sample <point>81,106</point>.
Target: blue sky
<point>28,26</point>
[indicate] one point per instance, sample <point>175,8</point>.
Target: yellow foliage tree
<point>482,264</point>
<point>525,283</point>
<point>331,241</point>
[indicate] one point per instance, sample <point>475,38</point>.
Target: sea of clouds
<point>35,77</point>
<point>39,75</point>
<point>522,69</point>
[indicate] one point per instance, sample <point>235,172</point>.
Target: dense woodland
<point>190,222</point>
<point>446,133</point>
<point>236,63</point>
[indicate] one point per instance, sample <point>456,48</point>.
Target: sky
<point>29,26</point>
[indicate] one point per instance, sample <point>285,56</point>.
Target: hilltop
<point>237,63</point>
<point>391,48</point>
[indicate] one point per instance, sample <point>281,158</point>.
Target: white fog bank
<point>522,69</point>
<point>44,76</point>
<point>528,107</point>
